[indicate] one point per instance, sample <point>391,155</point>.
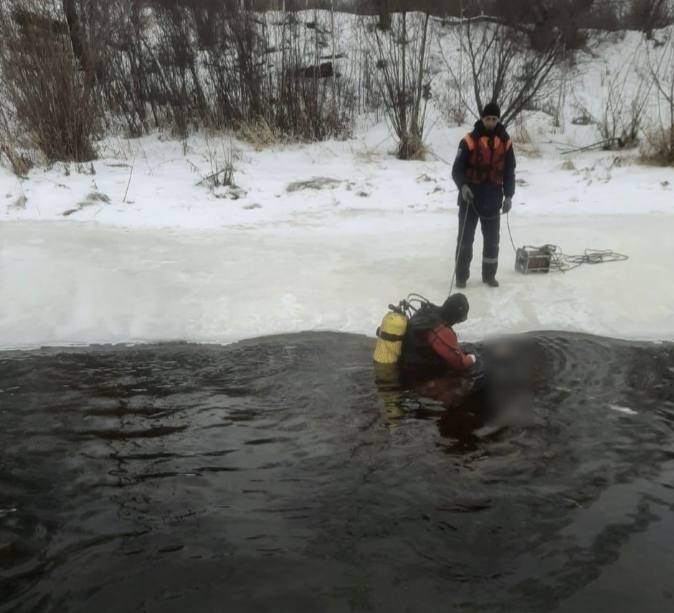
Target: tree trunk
<point>384,16</point>
<point>79,46</point>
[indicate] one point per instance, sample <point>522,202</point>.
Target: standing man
<point>484,172</point>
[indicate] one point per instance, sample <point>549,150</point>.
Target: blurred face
<point>490,122</point>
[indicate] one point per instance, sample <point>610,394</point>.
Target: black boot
<point>490,282</point>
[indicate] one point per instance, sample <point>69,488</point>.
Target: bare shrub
<point>175,60</point>
<point>19,162</point>
<point>403,78</point>
<point>308,99</point>
<point>223,66</point>
<point>236,62</point>
<point>132,82</point>
<point>627,93</point>
<point>522,135</point>
<point>10,143</point>
<point>52,96</point>
<point>659,146</point>
<point>222,166</point>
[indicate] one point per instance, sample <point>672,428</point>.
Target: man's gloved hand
<point>467,194</point>
<point>507,204</point>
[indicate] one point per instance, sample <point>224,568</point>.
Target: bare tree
<point>403,78</point>
<point>77,36</point>
<point>504,67</point>
<point>648,15</point>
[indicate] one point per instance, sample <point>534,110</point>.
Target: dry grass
<point>259,134</point>
<point>658,147</point>
<point>19,162</point>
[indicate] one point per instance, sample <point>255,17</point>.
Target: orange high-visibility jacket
<point>486,159</point>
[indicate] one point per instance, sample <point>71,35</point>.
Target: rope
<point>471,204</point>
<point>456,252</point>
<point>561,262</point>
<point>465,219</point>
<point>512,242</point>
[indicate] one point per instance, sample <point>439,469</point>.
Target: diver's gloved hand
<point>507,204</point>
<point>467,194</point>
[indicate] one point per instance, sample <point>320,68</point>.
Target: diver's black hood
<point>454,310</point>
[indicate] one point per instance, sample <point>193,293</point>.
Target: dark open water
<point>275,475</point>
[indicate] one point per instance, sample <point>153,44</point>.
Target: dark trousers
<point>487,212</point>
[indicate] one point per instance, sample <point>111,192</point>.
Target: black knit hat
<point>454,310</point>
<point>491,110</point>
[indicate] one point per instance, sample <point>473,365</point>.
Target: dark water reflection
<point>275,475</point>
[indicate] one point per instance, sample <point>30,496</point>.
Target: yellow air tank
<point>390,335</point>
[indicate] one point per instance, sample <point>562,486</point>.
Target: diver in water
<point>417,349</point>
<point>474,385</point>
<point>430,348</point>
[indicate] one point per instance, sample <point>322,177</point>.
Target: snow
<point>162,178</point>
<point>324,236</point>
<point>329,260</point>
